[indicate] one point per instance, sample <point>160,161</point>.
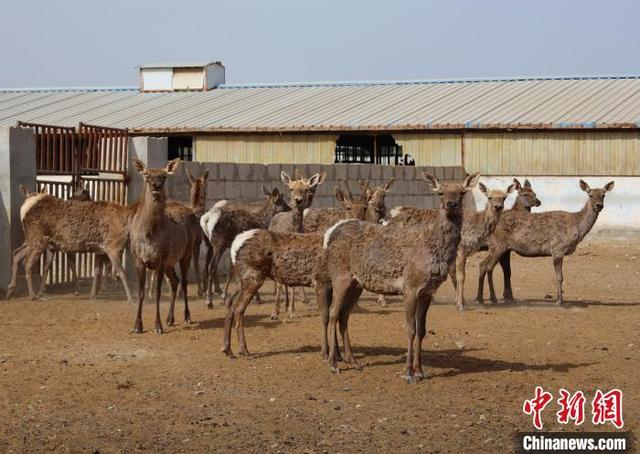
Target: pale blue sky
<point>100,43</point>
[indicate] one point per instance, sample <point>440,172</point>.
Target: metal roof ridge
<point>65,89</point>
<point>346,83</point>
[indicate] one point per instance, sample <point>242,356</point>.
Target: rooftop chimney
<point>181,76</point>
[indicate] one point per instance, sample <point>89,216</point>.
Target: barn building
<point>554,129</point>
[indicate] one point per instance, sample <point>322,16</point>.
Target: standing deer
<point>287,258</point>
<point>548,234</point>
<point>159,239</point>
<point>222,225</point>
<point>412,261</point>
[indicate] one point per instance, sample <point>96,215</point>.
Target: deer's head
<point>496,197</point>
<point>301,189</point>
<point>198,186</point>
<point>154,179</point>
<point>596,195</point>
<point>356,206</point>
<point>81,193</point>
<point>527,198</point>
<point>451,194</point>
<point>276,200</point>
<point>376,209</point>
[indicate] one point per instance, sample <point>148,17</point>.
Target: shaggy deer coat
<point>412,261</point>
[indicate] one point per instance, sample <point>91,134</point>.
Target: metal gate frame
<point>66,156</point>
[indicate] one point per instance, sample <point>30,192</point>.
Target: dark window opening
<point>181,147</point>
<point>367,149</point>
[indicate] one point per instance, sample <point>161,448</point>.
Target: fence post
<point>17,166</point>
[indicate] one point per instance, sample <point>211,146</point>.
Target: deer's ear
<point>286,179</point>
<point>340,196</point>
<point>205,175</point>
<point>275,193</point>
<point>317,179</point>
<point>472,180</point>
<point>609,186</point>
<point>432,182</point>
<point>139,165</point>
<point>527,184</point>
<point>516,184</point>
<point>189,176</point>
<point>172,166</point>
<point>265,191</point>
<point>511,188</point>
<point>482,188</point>
<point>24,190</point>
<point>389,184</point>
<point>585,187</point>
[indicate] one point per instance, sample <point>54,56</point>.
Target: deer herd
<point>339,252</point>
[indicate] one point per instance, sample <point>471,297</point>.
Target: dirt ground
<point>73,379</point>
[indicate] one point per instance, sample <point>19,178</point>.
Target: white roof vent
<point>181,76</point>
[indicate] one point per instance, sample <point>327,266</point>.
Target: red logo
<point>571,407</point>
<point>608,407</point>
<point>536,405</point>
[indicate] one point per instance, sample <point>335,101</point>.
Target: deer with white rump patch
<point>412,261</point>
<point>548,234</point>
<point>287,258</point>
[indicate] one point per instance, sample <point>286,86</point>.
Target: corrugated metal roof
<point>534,102</point>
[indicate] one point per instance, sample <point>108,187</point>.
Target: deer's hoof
<point>136,330</point>
<point>293,315</point>
<point>409,379</point>
<point>460,307</point>
<point>419,375</point>
<point>187,321</point>
<point>227,351</point>
<point>168,322</point>
<point>244,352</point>
<point>274,316</point>
<point>335,369</point>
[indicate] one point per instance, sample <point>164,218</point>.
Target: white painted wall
<point>621,206</point>
<point>157,79</point>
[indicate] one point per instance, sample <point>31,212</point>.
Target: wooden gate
<point>93,155</point>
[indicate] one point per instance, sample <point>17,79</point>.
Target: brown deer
<point>412,261</point>
<point>287,258</point>
<point>320,219</point>
<point>527,199</point>
<point>159,239</point>
<point>553,234</point>
<point>221,225</point>
<point>71,226</point>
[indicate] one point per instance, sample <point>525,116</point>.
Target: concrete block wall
<point>244,181</point>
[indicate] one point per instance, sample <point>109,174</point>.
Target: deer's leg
<point>410,309</point>
<point>212,271</point>
<point>205,274</point>
<point>382,301</point>
<point>159,274</point>
<point>488,264</point>
<point>461,261</point>
<point>18,255</point>
<point>228,321</point>
<point>184,271</point>
<point>251,287</point>
<point>276,304</point>
<point>291,310</point>
<point>226,285</point>
<point>71,266</point>
<point>195,254</point>
<point>34,252</point>
<point>115,257</point>
<point>173,281</point>
<point>341,287</point>
<point>142,277</point>
<point>152,282</point>
<point>421,332</point>
<point>323,299</point>
<point>505,264</point>
<point>352,299</point>
<point>49,255</point>
<point>557,264</point>
<point>97,275</point>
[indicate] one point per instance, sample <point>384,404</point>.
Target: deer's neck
<point>490,218</point>
<point>297,221</point>
<point>266,213</point>
<point>587,217</point>
<point>151,210</point>
<point>198,201</point>
<point>520,206</point>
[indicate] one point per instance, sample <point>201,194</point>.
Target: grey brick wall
<point>244,181</point>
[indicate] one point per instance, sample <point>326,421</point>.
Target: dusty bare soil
<point>73,379</point>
